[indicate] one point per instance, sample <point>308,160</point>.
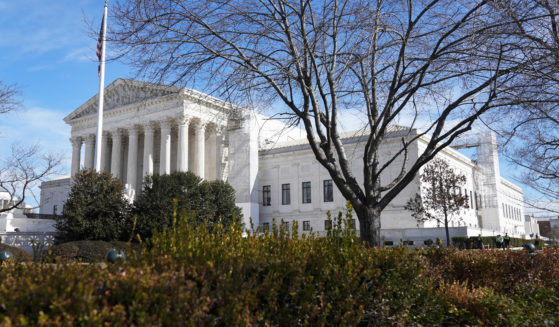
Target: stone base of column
<point>130,192</point>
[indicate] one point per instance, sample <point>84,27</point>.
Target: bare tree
<point>530,130</point>
<point>8,98</point>
<point>23,170</point>
<point>315,59</point>
<point>441,196</point>
<point>25,166</point>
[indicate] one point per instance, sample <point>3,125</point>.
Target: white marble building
<point>157,129</point>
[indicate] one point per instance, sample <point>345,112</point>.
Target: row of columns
<point>148,159</point>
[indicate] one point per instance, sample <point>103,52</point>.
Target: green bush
<point>189,274</point>
<point>96,209</point>
<point>19,254</point>
<point>209,201</point>
<point>471,243</point>
<point>85,251</point>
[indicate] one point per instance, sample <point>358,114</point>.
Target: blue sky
<point>48,50</point>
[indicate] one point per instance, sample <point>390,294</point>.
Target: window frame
<point>286,194</point>
<point>327,184</point>
<point>306,192</point>
<point>266,195</point>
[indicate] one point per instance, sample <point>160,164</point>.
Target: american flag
<point>100,46</point>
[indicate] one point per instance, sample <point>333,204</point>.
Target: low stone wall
<point>26,240</point>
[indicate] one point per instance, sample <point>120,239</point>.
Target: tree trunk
<point>369,225</point>
<point>446,228</point>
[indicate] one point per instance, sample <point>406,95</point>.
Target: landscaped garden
<point>182,270</point>
<point>190,274</point>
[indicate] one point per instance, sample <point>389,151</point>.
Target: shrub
<point>189,274</point>
<point>19,254</point>
<point>471,243</point>
<point>209,201</point>
<point>84,251</point>
<point>96,209</point>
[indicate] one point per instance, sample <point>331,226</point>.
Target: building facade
<point>152,128</point>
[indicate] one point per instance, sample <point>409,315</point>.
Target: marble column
<point>76,153</point>
<point>132,168</point>
<point>165,153</point>
<point>105,152</point>
<point>182,146</point>
<point>89,152</point>
<point>116,153</point>
<point>218,152</point>
<point>200,141</point>
<point>148,150</point>
<point>211,152</point>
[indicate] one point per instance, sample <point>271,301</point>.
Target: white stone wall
<point>293,163</point>
<point>54,194</point>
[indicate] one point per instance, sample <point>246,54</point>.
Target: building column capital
<point>149,128</point>
<point>133,130</point>
<point>184,120</point>
<point>200,124</point>
<point>165,124</point>
<point>90,139</point>
<point>76,141</point>
<point>211,127</point>
<point>117,133</point>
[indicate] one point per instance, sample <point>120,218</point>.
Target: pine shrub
<point>96,209</point>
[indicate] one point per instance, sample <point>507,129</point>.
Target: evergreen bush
<point>207,201</point>
<point>96,209</point>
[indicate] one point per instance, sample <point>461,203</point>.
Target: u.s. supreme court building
<point>156,129</point>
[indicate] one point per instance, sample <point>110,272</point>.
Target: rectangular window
<point>306,192</point>
<point>476,202</point>
<point>54,209</point>
<point>266,196</point>
<point>286,225</point>
<point>285,194</point>
<point>471,200</point>
<point>352,224</point>
<point>265,227</point>
<point>327,224</point>
<point>306,225</point>
<point>328,190</point>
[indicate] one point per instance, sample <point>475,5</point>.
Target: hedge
<point>84,251</point>
<point>471,242</point>
<point>188,275</point>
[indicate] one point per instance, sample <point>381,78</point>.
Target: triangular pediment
<point>122,92</point>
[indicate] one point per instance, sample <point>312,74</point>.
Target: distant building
<point>531,226</point>
<point>151,129</point>
<point>17,229</point>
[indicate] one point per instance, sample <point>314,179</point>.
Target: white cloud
<point>83,54</point>
<point>34,27</point>
<point>36,125</point>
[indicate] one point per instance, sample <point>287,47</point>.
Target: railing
<point>42,216</point>
<point>27,240</point>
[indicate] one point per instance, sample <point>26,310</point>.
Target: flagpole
<point>99,139</point>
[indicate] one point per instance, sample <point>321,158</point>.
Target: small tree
<point>441,197</point>
<point>96,209</point>
<point>208,201</point>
